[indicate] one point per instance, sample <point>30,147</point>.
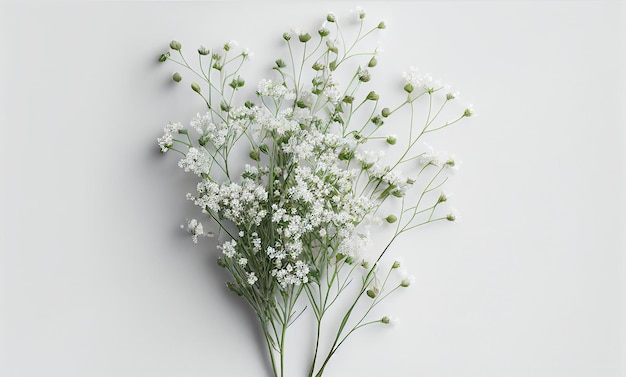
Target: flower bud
<point>372,96</point>
<point>323,32</point>
<point>317,66</point>
<point>405,282</point>
<point>396,264</point>
<point>203,51</point>
<point>286,36</point>
<point>195,87</point>
<point>381,25</point>
<point>221,262</point>
<point>164,57</point>
<point>408,88</point>
<point>365,265</point>
<point>391,219</point>
<point>175,45</point>
<point>442,198</point>
<point>373,62</point>
<point>385,320</point>
<point>364,76</point>
<point>377,120</point>
<point>371,293</point>
<point>391,140</point>
<point>280,63</point>
<point>348,99</point>
<point>331,17</point>
<point>255,155</point>
<point>349,260</point>
<point>450,217</point>
<point>177,77</point>
<point>450,163</point>
<point>224,106</point>
<point>386,112</point>
<point>332,47</point>
<point>304,38</point>
<point>332,65</point>
<point>264,148</point>
<point>410,181</point>
<point>398,193</point>
<point>468,112</point>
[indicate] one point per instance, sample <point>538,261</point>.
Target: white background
<point>97,279</point>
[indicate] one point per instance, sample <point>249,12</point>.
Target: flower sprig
<point>295,220</point>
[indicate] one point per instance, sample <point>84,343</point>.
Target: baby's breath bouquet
<point>292,179</point>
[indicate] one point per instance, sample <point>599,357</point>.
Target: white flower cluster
<point>197,161</point>
<point>268,88</point>
<point>209,131</point>
<point>242,203</point>
<point>423,81</point>
<point>167,140</point>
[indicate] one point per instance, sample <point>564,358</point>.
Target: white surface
<point>97,279</point>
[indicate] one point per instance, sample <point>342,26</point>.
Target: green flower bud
<point>396,264</point>
<point>391,140</point>
<point>280,63</point>
<point>286,36</point>
<point>164,57</point>
<point>450,217</point>
<point>177,77</point>
<point>349,260</point>
<point>373,62</point>
<point>224,106</point>
<point>264,148</point>
<point>468,112</point>
<point>248,104</point>
<point>175,45</point>
<point>405,283</point>
<point>442,198</point>
<point>398,193</point>
<point>304,38</point>
<point>391,219</point>
<point>371,293</point>
<point>227,47</point>
<point>317,66</point>
<point>408,88</point>
<point>410,181</point>
<point>332,65</point>
<point>450,163</point>
<point>386,112</point>
<point>195,87</point>
<point>240,82</point>
<point>323,32</point>
<point>221,262</point>
<point>381,25</point>
<point>348,99</point>
<point>378,121</point>
<point>255,155</point>
<point>372,96</point>
<point>331,47</point>
<point>331,17</point>
<point>203,51</point>
<point>385,320</point>
<point>365,265</point>
<point>364,76</point>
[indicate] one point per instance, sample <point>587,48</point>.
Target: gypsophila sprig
<point>294,183</point>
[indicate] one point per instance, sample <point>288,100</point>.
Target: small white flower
<point>251,278</point>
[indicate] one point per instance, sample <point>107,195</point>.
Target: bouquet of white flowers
<point>294,222</point>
